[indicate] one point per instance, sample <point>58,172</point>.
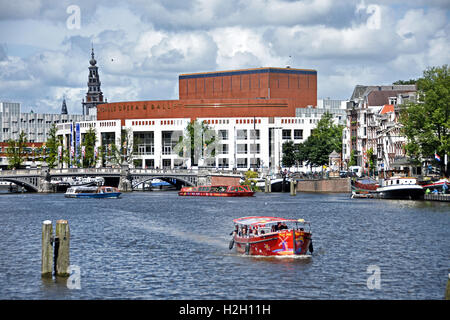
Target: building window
<point>242,162</point>
<point>166,163</point>
<point>254,134</point>
<point>286,134</point>
<point>255,148</point>
<point>169,140</point>
<point>298,134</point>
<point>223,163</point>
<point>241,148</point>
<point>223,134</point>
<point>255,162</point>
<point>241,134</point>
<point>150,163</point>
<point>223,149</point>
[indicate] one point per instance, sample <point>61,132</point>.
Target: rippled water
<point>157,245</point>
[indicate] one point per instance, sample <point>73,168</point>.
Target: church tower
<point>64,106</point>
<point>94,96</point>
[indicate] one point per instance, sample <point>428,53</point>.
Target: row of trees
<point>315,151</point>
<point>426,123</point>
<point>199,141</point>
<point>53,151</point>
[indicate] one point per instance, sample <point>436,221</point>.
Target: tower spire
<point>64,106</point>
<point>94,96</point>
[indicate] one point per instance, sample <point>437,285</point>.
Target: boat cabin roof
<point>262,220</point>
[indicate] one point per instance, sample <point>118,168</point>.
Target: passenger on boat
<point>244,231</point>
<point>278,227</point>
<point>235,231</point>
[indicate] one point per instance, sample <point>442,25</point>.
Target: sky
<point>141,46</point>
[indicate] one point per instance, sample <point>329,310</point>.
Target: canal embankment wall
<point>336,185</point>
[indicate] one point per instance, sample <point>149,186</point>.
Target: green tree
<point>426,123</point>
<point>199,141</point>
<point>15,152</point>
<point>90,137</point>
<point>301,154</point>
<point>250,180</point>
<point>410,81</point>
<point>289,154</point>
<point>325,138</point>
<point>371,159</point>
<point>51,148</point>
<point>126,148</point>
<point>352,160</point>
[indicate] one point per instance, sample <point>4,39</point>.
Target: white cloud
<point>142,46</point>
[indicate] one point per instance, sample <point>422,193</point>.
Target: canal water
<point>157,245</point>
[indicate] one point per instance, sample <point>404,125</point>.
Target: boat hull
<point>283,243</point>
<point>407,193</point>
<point>94,195</point>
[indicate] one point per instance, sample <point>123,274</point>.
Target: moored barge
<point>217,191</point>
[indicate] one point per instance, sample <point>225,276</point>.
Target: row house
<point>373,123</point>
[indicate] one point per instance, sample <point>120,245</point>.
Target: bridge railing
<point>181,171</point>
<point>87,171</point>
<point>20,172</point>
<point>105,170</point>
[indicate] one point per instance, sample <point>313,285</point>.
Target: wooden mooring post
<point>293,187</point>
<point>55,249</point>
<point>62,248</point>
<point>47,249</point>
<point>447,290</point>
<point>268,185</point>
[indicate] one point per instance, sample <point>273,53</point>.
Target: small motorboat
<point>400,188</point>
<point>362,194</point>
<point>271,236</point>
<point>93,192</point>
<point>217,191</point>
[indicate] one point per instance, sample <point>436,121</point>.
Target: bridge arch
<point>162,177</point>
<point>27,185</point>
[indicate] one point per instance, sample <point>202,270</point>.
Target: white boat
<point>92,192</point>
<point>400,188</point>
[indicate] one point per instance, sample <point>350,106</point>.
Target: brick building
<point>252,111</point>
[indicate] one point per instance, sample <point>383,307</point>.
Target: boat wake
<point>285,257</point>
<point>182,234</point>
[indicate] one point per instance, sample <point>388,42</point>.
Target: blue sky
<point>141,46</point>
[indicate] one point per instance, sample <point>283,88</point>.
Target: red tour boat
<point>217,191</point>
<point>271,236</point>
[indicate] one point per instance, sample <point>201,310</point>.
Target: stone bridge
<point>127,179</point>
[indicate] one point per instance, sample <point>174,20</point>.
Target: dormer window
<point>393,100</point>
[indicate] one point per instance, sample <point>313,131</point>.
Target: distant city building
<point>252,112</point>
<point>94,96</point>
<point>336,107</point>
<point>372,123</point>
<point>35,125</point>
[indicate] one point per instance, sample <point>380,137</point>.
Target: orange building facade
<point>261,92</point>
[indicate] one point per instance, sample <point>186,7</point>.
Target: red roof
<point>387,108</point>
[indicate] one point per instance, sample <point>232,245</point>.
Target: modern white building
<point>240,143</point>
<point>36,126</point>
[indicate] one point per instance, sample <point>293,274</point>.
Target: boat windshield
<point>269,225</point>
<point>262,221</point>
